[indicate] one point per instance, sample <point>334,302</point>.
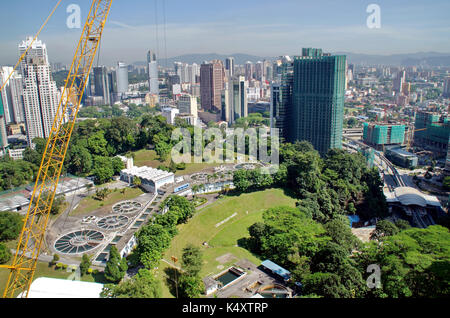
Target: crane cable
<point>157,28</point>
<point>31,44</point>
<point>165,34</point>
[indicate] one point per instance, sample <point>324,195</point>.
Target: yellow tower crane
<point>35,222</point>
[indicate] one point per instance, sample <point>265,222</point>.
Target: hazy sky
<point>259,27</point>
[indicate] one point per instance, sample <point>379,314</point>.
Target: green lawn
<point>149,158</point>
<point>224,238</point>
<point>89,204</point>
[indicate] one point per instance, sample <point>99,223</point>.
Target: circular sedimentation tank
<point>274,291</point>
<point>247,166</point>
<point>78,242</point>
<point>127,207</point>
<point>113,222</point>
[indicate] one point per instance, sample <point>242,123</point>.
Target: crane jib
<point>41,201</point>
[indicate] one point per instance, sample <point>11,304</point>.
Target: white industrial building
<point>49,288</point>
<point>151,179</point>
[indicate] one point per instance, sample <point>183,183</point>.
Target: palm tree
<point>137,182</point>
<point>195,188</point>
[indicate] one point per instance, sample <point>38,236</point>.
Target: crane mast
<point>35,223</point>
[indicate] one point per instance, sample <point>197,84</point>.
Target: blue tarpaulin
<point>353,219</point>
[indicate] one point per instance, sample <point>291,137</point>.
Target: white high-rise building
<point>234,99</point>
<point>12,95</point>
<point>3,135</point>
<point>229,66</point>
<point>153,74</point>
<point>122,78</point>
<point>193,71</point>
<point>40,94</point>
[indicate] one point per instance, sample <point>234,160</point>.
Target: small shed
<point>276,270</point>
<point>211,285</point>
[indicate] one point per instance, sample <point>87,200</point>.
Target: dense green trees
<point>318,256</point>
<point>153,240</point>
<point>58,203</point>
<point>116,267</point>
<point>190,286</point>
<point>15,173</point>
<point>286,234</point>
<point>414,263</point>
<point>340,233</point>
<point>85,264</point>
<point>10,226</point>
<point>190,283</point>
<point>5,254</point>
<point>338,184</point>
<point>252,180</point>
<point>179,206</point>
<point>253,120</point>
<point>143,285</point>
<point>192,260</point>
<point>384,228</point>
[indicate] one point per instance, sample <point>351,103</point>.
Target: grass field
<point>223,240</point>
<point>149,158</point>
<point>89,204</point>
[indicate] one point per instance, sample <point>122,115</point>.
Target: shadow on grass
<point>171,279</point>
<point>248,244</point>
<point>287,191</point>
<point>290,193</point>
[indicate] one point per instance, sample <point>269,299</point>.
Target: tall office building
<point>446,92</point>
<point>399,80</point>
<point>268,69</point>
<point>234,99</point>
<point>229,66</point>
<point>259,71</point>
<point>275,102</point>
<point>187,104</point>
<point>153,73</point>
<point>211,85</point>
<point>3,135</point>
<point>193,73</point>
<point>318,96</point>
<point>40,94</point>
<point>102,84</point>
<point>12,95</point>
<point>281,98</point>
<point>122,78</point>
<point>249,70</point>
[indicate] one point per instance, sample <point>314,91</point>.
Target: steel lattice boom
<point>35,223</point>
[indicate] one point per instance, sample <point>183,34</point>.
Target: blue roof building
<point>276,269</point>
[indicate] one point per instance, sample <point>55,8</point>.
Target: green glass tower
<point>318,96</point>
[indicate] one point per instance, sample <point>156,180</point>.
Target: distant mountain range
<point>239,58</point>
<point>421,58</point>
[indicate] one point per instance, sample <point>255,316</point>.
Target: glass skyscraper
<point>318,94</point>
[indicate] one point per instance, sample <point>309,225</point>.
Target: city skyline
<point>253,27</point>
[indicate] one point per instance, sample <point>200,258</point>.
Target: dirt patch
<point>226,258</point>
<point>363,233</point>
